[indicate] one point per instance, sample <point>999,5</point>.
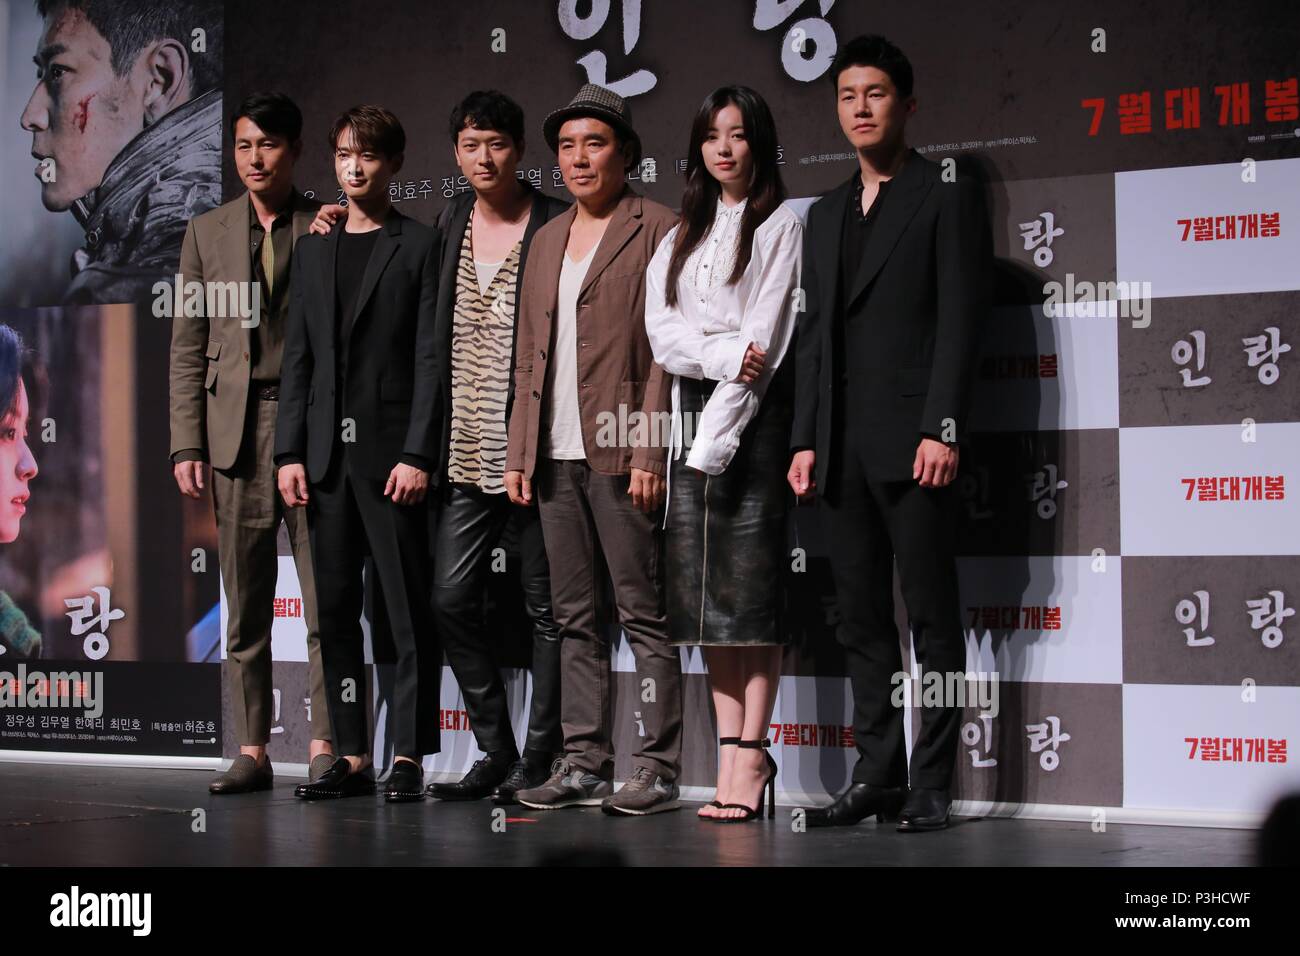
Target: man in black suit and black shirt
<point>359,409</point>
<point>897,277</point>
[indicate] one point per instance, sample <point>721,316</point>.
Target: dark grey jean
<point>590,526</point>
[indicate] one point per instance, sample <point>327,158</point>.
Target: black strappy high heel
<point>769,786</point>
<point>722,742</point>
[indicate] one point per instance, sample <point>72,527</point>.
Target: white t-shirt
<point>485,272</point>
<point>564,425</point>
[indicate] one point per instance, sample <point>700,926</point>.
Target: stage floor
<point>95,816</point>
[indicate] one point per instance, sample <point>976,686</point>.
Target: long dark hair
<point>700,200</point>
<point>19,365</point>
<point>11,369</point>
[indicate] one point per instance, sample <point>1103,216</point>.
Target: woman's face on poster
<point>17,467</point>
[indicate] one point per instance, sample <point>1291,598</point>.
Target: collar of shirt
<point>858,188</point>
<point>283,216</point>
<point>723,211</point>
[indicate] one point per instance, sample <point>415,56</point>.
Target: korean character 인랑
<point>1185,612</point>
<point>972,736</point>
<point>1262,352</point>
<point>1184,352</point>
<point>1043,486</point>
<point>1268,613</point>
<point>1038,235</point>
<point>1045,743</point>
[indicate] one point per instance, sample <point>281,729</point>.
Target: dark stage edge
<point>96,816</point>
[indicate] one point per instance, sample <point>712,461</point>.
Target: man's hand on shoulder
<point>326,218</point>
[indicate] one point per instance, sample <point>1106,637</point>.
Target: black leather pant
<point>470,524</point>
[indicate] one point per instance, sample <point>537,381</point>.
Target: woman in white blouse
<point>720,310</point>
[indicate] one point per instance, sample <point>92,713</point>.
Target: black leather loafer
<point>856,804</point>
<point>483,777</point>
<point>925,810</point>
<point>338,781</point>
<point>405,782</point>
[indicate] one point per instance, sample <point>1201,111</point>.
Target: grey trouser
<point>590,525</point>
<point>249,510</point>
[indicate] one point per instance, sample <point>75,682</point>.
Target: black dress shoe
<point>856,804</point>
<point>925,810</point>
<point>405,782</point>
<point>338,781</point>
<point>524,774</point>
<point>481,780</point>
<point>245,775</point>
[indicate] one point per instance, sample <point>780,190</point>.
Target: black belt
<point>267,393</point>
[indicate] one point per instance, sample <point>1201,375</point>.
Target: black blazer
<point>452,224</point>
<point>921,296</point>
<point>392,373</point>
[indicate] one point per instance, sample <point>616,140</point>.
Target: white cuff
<point>711,457</point>
<point>725,359</point>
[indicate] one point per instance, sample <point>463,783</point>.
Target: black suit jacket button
<point>536,395</point>
<point>542,353</point>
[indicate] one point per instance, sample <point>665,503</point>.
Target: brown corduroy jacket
<point>624,398</point>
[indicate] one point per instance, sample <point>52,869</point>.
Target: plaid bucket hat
<point>602,104</point>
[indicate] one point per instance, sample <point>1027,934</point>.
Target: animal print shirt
<point>482,335</point>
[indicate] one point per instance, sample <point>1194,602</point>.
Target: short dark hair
<point>130,25</point>
<point>488,110</point>
<point>373,128</point>
<point>874,50</point>
<point>274,113</point>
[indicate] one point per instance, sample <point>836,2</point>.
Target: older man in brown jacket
<point>584,433</point>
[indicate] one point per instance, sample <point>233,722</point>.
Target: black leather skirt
<point>725,535</point>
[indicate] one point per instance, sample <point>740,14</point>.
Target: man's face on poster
<point>81,113</point>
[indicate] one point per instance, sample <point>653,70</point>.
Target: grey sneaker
<point>645,792</point>
<point>568,786</point>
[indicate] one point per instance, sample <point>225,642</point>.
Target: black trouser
<point>868,525</point>
<point>350,517</point>
<point>470,524</point>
